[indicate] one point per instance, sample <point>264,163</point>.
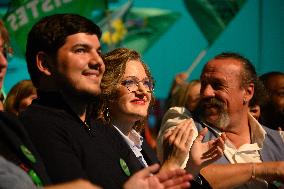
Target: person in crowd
<point>258,99</point>
<point>273,110</point>
<point>24,168</point>
<point>187,95</point>
<point>179,80</point>
<point>182,94</point>
<point>127,94</point>
<point>19,97</point>
<point>12,177</point>
<point>254,154</point>
<point>66,67</point>
<point>5,50</point>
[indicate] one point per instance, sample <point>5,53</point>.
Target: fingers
<point>216,149</point>
<point>148,171</point>
<point>201,135</point>
<point>186,133</point>
<point>221,141</point>
<point>175,177</point>
<point>167,174</point>
<point>153,182</point>
<point>180,134</point>
<point>177,180</point>
<point>177,134</point>
<point>168,133</point>
<point>223,136</point>
<point>189,139</point>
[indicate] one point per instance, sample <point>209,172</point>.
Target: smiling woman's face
<point>132,105</point>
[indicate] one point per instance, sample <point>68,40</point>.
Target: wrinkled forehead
<point>228,68</point>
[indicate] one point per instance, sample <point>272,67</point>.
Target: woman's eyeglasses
<point>132,84</point>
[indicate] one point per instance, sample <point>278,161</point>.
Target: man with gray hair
<point>254,154</point>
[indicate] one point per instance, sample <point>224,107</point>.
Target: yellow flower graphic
<point>115,34</point>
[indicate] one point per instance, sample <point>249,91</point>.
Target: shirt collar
<point>134,139</point>
<point>256,131</point>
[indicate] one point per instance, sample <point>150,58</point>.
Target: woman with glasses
<point>127,95</point>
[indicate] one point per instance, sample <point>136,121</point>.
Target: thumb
<point>201,135</point>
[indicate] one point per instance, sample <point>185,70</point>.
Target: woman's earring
<point>107,113</point>
<point>244,101</point>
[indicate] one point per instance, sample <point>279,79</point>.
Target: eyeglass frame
<point>136,83</point>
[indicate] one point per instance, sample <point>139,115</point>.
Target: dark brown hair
<point>50,33</point>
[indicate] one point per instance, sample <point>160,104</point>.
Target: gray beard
<point>221,122</point>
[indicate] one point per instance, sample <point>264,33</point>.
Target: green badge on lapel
<point>35,178</point>
<point>28,153</point>
<point>124,167</point>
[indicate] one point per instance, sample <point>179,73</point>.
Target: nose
<point>97,62</point>
<point>207,91</point>
<point>141,87</point>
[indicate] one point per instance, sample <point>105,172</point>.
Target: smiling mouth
<point>94,75</point>
<point>140,102</point>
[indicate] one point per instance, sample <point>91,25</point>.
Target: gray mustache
<point>212,102</point>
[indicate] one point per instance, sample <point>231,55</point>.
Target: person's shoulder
<point>269,130</point>
<point>13,176</point>
<point>10,123</point>
<point>8,117</point>
<point>38,113</point>
<point>274,134</point>
<point>40,120</point>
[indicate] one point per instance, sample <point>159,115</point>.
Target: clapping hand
<point>203,154</point>
<point>167,179</point>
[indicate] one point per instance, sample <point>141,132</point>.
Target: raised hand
<point>203,154</point>
<point>176,144</point>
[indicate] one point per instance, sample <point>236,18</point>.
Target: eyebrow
<point>81,45</point>
<point>132,76</point>
<point>86,45</point>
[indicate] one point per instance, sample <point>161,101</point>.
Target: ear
<point>249,91</point>
<point>42,62</point>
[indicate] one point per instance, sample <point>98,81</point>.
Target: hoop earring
<point>107,113</point>
<point>244,101</point>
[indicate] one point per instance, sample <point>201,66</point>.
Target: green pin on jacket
<point>124,167</point>
<point>28,153</point>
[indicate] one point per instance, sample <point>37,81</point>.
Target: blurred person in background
<point>5,50</point>
<point>186,95</point>
<point>273,110</point>
<point>259,98</point>
<point>20,97</point>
